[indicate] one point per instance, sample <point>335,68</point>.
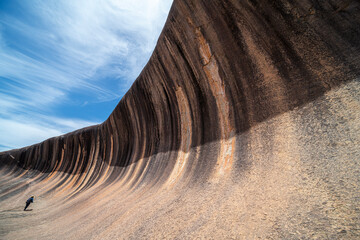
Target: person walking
<point>30,200</point>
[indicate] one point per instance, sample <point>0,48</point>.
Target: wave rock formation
<point>244,124</point>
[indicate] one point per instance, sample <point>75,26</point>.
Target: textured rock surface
<point>243,124</point>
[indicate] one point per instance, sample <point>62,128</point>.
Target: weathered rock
<point>243,124</point>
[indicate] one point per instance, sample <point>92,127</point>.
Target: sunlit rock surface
<point>243,124</point>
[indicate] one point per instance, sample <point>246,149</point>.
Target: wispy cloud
<point>59,55</point>
<point>20,132</point>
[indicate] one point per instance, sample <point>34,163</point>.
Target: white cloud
<point>18,134</point>
<point>65,124</point>
<point>96,33</point>
<point>94,47</point>
<point>21,132</point>
<point>85,41</point>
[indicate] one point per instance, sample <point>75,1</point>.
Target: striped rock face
<point>245,123</point>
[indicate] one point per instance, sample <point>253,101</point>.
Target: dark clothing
<point>27,204</point>
<point>30,200</point>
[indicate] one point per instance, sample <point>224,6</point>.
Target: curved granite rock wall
<point>257,97</point>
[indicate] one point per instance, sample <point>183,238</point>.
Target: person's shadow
<point>28,210</point>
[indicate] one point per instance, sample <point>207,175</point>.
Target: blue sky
<point>65,64</point>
